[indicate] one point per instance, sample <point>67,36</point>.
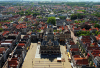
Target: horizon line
<point>49,1</point>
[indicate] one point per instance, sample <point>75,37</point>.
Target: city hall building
<point>50,44</point>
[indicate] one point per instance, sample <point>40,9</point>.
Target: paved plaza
<point>33,59</point>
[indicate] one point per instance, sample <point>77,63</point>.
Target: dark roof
<point>50,25</point>
<point>99,42</point>
<point>54,42</point>
<point>93,38</point>
<point>75,53</point>
<point>86,26</point>
<point>60,23</point>
<point>87,67</point>
<point>44,43</point>
<point>97,58</point>
<point>74,46</point>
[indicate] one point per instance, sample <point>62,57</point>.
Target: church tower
<point>50,34</point>
<point>50,29</point>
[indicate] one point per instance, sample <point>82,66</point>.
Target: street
<point>72,35</point>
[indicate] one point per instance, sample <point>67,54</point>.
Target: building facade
<point>50,44</point>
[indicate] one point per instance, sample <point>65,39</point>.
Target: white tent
<point>59,59</point>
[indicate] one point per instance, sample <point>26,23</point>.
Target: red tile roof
<point>2,49</point>
<point>76,28</point>
<point>21,44</point>
<point>74,49</point>
<point>68,19</point>
<point>26,37</point>
<point>98,37</point>
<point>21,26</point>
<point>86,39</point>
<point>7,42</point>
<point>14,59</point>
<point>94,44</point>
<point>95,54</point>
<point>5,32</point>
<point>94,29</point>
<point>12,63</point>
<point>83,29</point>
<point>71,43</point>
<point>76,56</point>
<point>82,61</point>
<point>62,27</point>
<point>93,48</point>
<point>98,18</point>
<point>96,51</point>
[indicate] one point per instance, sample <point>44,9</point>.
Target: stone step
<point>47,67</point>
<point>47,62</point>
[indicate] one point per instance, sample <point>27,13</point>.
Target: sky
<point>57,0</point>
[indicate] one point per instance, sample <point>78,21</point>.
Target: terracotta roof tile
<point>12,63</point>
<point>21,44</point>
<point>74,49</point>
<point>2,49</point>
<point>76,56</point>
<point>82,62</point>
<point>5,32</point>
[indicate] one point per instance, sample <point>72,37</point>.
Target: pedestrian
<point>32,61</point>
<point>39,61</point>
<point>49,65</point>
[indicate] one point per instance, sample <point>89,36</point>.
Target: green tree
<point>35,14</point>
<point>51,20</point>
<point>73,17</point>
<point>55,30</point>
<point>89,59</point>
<point>0,24</point>
<point>77,26</point>
<point>91,63</point>
<point>97,25</point>
<point>62,17</point>
<point>1,29</point>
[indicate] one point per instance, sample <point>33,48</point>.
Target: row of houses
<point>91,46</point>
<point>75,55</point>
<point>88,46</point>
<point>17,58</point>
<point>7,45</point>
